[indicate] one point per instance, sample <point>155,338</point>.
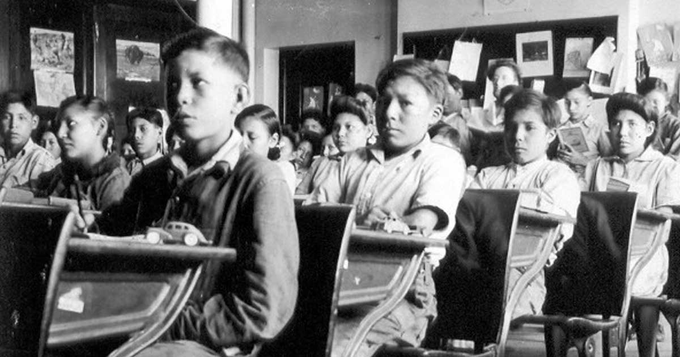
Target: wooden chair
<point>32,253</point>
<point>493,236</point>
<point>637,235</point>
<point>324,232</point>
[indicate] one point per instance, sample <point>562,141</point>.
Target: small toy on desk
<point>176,232</point>
<point>393,224</point>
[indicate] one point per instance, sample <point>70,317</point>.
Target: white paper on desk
<point>53,87</point>
<point>604,57</point>
<point>656,42</point>
<point>668,72</point>
<point>465,60</point>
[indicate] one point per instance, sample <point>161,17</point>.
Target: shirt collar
<point>152,158</point>
<point>587,122</point>
<point>530,166</point>
<point>649,154</point>
<point>229,152</point>
<point>377,152</point>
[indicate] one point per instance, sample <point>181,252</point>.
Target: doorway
<point>310,76</point>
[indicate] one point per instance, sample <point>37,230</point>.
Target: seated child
<point>305,153</point>
<point>261,132</point>
<point>49,141</point>
<point>235,197</point>
<point>502,73</point>
<point>405,175</point>
<point>328,147</point>
<point>445,134</point>
<point>453,116</point>
<point>667,139</point>
<point>145,130</point>
<point>312,120</point>
<point>367,95</point>
<point>21,160</point>
<point>350,132</point>
<point>87,172</point>
<point>656,179</point>
<point>578,100</point>
<point>531,120</point>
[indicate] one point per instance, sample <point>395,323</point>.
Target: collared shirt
<point>656,179</point>
<point>555,184</point>
<point>597,136</point>
<point>668,136</point>
<point>229,153</point>
<point>136,165</point>
<point>427,176</point>
<point>322,168</point>
<point>26,166</point>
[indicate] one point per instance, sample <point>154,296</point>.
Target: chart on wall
<point>138,61</point>
<point>535,53</point>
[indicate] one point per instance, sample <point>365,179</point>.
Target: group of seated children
<point>233,178</point>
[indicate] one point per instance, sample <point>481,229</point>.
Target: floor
<point>529,343</point>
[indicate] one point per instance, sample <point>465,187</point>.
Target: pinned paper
<point>656,42</point>
<point>577,52</point>
<point>535,53</point>
<point>53,87</point>
<point>51,50</point>
<point>538,85</point>
<point>401,57</point>
<point>604,57</point>
<point>465,60</point>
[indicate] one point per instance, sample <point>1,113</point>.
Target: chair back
<point>324,232</point>
<point>32,251</point>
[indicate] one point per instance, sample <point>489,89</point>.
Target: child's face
<point>366,101</point>
<point>203,96</point>
<point>256,136</point>
<point>17,124</point>
<point>49,141</point>
<point>80,133</point>
<point>527,137</point>
<point>145,137</point>
<point>404,111</point>
<point>349,132</point>
<point>658,100</point>
<point>313,125</point>
<point>328,147</point>
<point>304,154</point>
<point>629,131</point>
<point>578,104</point>
<point>503,76</point>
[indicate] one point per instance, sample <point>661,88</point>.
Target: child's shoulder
<point>255,167</point>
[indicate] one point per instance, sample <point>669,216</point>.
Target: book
<point>574,137</point>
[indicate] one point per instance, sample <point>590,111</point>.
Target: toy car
<point>176,232</point>
<point>392,224</point>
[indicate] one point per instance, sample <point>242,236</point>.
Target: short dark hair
<point>445,130</point>
<point>366,88</point>
<point>314,139</point>
<point>531,99</point>
<point>504,63</point>
<point>454,81</point>
<point>15,96</point>
<point>267,116</point>
<point>580,86</point>
<point>635,103</point>
<point>151,115</point>
<point>423,71</point>
<point>95,105</point>
<point>347,104</point>
<point>509,90</point>
<point>229,51</point>
<point>650,84</point>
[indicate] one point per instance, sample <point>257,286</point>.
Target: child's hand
<point>82,223</point>
<point>567,154</point>
<point>375,215</point>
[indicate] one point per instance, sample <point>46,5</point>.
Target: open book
<point>574,137</point>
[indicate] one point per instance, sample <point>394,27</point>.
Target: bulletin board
<point>499,41</point>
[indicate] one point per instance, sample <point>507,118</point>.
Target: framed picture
<point>312,99</point>
<point>138,61</point>
<point>334,90</point>
<point>535,53</point>
<point>577,52</point>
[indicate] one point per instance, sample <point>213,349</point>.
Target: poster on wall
<point>465,60</point>
<point>51,50</point>
<point>656,42</point>
<point>312,99</point>
<point>577,52</point>
<point>138,61</point>
<point>535,53</point>
<point>51,87</point>
<point>334,90</point>
<point>492,7</point>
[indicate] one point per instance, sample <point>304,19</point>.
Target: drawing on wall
<point>312,99</point>
<point>334,90</point>
<point>51,50</point>
<point>138,61</point>
<point>51,87</point>
<point>577,52</point>
<point>535,53</point>
<point>656,42</point>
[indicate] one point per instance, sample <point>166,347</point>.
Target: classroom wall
<point>655,11</point>
<point>289,23</point>
<point>418,15</point>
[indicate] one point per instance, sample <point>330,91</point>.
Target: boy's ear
<point>101,126</point>
<point>242,98</point>
<point>437,113</point>
<point>551,134</point>
<point>649,128</point>
<point>274,140</point>
<point>35,119</point>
